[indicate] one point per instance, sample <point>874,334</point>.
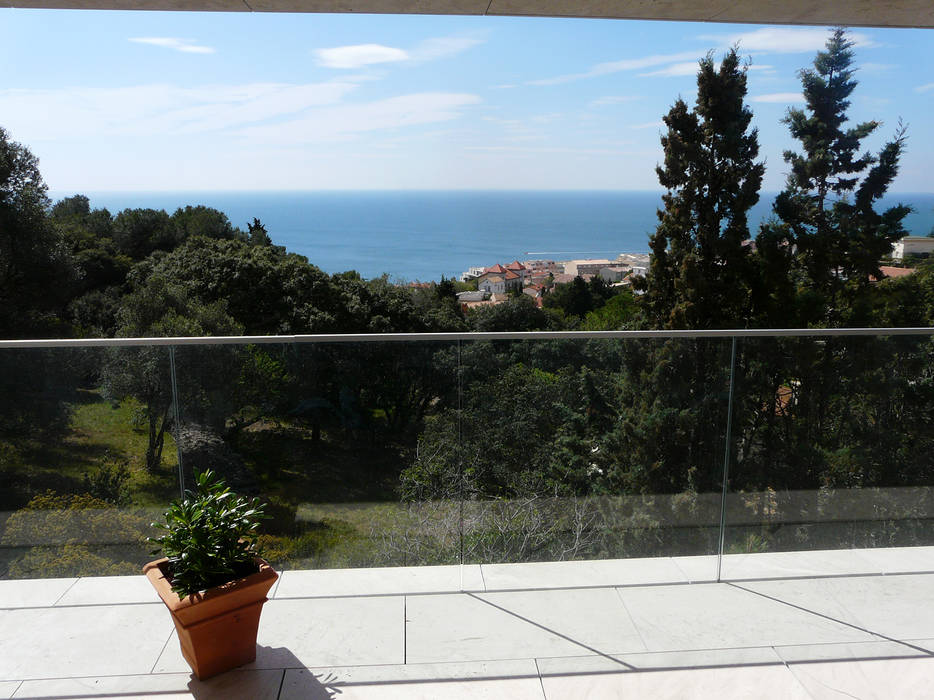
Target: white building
<point>586,267</point>
<point>912,245</point>
<point>614,273</point>
<point>472,273</point>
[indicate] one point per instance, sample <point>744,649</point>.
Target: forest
<point>440,451</point>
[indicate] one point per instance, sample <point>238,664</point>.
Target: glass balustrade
<point>481,449</point>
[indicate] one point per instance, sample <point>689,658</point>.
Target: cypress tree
<point>700,271</point>
<point>827,229</point>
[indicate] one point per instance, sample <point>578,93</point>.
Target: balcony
<point>636,628</point>
<point>758,543</point>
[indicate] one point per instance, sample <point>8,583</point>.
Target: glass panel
<point>593,450</point>
<point>835,457</point>
<point>86,460</point>
<point>325,433</point>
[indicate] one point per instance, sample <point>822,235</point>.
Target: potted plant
<point>211,578</point>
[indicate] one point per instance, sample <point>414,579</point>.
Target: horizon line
<point>59,191</point>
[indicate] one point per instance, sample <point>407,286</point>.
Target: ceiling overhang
<point>874,13</point>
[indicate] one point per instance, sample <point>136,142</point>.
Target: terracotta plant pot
<point>217,627</point>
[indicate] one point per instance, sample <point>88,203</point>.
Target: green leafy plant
<point>209,536</point>
<point>109,483</point>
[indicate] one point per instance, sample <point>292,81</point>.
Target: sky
<point>166,101</point>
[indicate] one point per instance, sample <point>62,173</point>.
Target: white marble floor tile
<point>659,661</point>
<point>83,641</point>
<point>25,593</point>
<point>495,680</point>
<point>905,679</point>
<point>849,651</point>
<point>830,562</point>
<point>926,644</point>
<point>235,685</point>
<point>900,606</point>
<point>596,572</point>
<point>319,632</point>
<point>717,616</point>
<point>697,569</point>
<point>110,590</point>
<point>7,688</point>
<point>460,627</point>
<point>740,683</point>
<point>894,560</point>
<point>593,617</point>
<point>381,581</point>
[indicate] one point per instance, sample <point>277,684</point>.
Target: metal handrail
<point>439,337</point>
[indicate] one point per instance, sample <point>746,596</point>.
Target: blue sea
<point>423,235</point>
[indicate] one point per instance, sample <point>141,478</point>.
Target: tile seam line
<point>275,590</point>
<point>565,637</point>
<point>72,606</point>
<point>188,672</point>
<point>527,589</point>
<point>73,584</point>
<point>281,684</point>
<point>833,619</point>
<point>165,646</point>
<point>631,619</point>
<point>600,672</point>
<point>674,560</point>
<point>541,681</point>
<point>533,589</point>
<point>793,674</point>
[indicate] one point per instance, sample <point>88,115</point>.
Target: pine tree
<point>700,271</point>
<point>671,435</point>
<point>827,229</point>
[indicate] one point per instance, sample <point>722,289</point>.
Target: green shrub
<point>67,561</point>
<point>209,536</point>
<point>57,519</point>
<point>109,484</point>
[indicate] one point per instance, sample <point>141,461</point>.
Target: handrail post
<point>726,457</point>
<point>460,458</point>
<point>178,422</point>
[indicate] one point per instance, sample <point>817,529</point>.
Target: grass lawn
<point>100,434</point>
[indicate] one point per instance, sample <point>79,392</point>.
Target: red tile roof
<point>496,268</point>
<point>510,275</point>
<point>888,271</point>
<point>515,265</point>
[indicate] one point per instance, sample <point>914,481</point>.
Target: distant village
<point>535,277</point>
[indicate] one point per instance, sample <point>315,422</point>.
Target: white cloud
<point>362,55</point>
<point>925,87</point>
<point>442,47</point>
<point>341,122</point>
<point>546,149</point>
<point>648,125</point>
<point>513,130</point>
<point>613,100</point>
<point>778,97</point>
<point>174,43</point>
<point>690,68</point>
<point>359,55</point>
<point>620,66</point>
<point>782,40</point>
<point>155,110</point>
<point>675,70</point>
<point>876,68</point>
